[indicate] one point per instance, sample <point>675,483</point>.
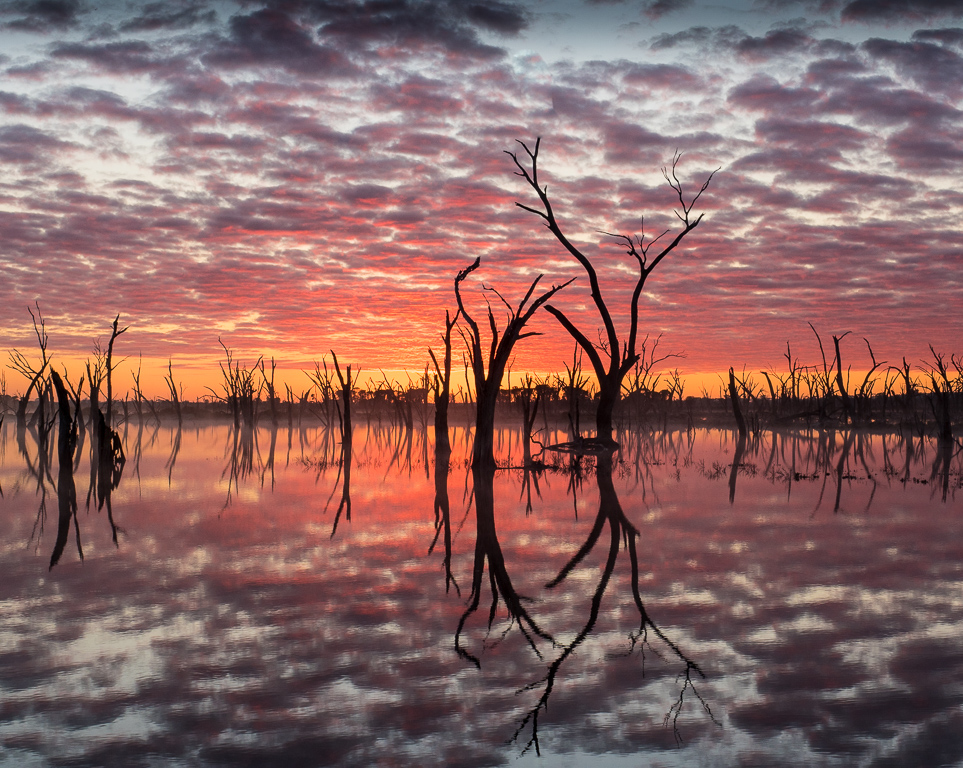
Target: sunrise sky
<point>298,176</point>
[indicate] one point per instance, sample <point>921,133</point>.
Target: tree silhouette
<point>488,369</point>
<point>442,383</point>
<point>621,354</point>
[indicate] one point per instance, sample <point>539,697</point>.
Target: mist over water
<point>802,607</point>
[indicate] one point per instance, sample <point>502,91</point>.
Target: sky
<point>293,177</point>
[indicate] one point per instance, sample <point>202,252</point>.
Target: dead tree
<point>239,388</point>
<point>345,381</point>
<point>272,393</point>
<point>488,369</point>
<point>138,393</point>
<point>621,354</point>
<point>442,384</point>
<point>109,369</point>
<point>865,392</point>
<point>940,403</point>
<point>171,387</point>
<point>66,488</point>
<point>529,398</point>
<point>95,377</point>
<point>843,391</point>
<point>19,362</point>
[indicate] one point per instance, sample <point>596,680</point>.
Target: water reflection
<point>622,535</point>
<point>66,489</point>
<point>840,459</point>
<point>488,550</point>
<point>442,508</point>
<point>462,619</point>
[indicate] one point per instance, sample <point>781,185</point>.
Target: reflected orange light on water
<point>237,606</point>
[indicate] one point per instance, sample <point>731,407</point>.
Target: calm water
<point>804,610</point>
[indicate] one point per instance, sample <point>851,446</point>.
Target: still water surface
<point>663,610</point>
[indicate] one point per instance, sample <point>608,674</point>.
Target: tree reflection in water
<point>803,624</point>
<point>623,536</point>
<point>838,459</point>
<point>488,549</point>
<point>66,489</point>
<point>107,461</point>
<point>443,509</point>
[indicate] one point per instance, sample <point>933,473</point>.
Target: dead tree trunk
<point>621,354</point>
<point>442,385</point>
<point>529,397</point>
<point>346,455</point>
<point>20,363</point>
<point>172,388</point>
<point>488,370</point>
<point>940,404</point>
<point>736,410</point>
<point>109,370</point>
<point>840,383</point>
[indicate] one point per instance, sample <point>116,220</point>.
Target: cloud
<point>876,102</point>
<point>503,18</point>
<point>132,56</point>
<point>936,68</point>
<point>835,72</point>
<point>950,36</point>
<point>927,150</point>
<point>661,76</point>
<point>452,26</point>
<point>333,154</point>
<point>162,16</point>
<point>43,16</point>
<point>766,94</point>
<point>417,95</point>
<point>775,43</point>
<point>702,36</point>
<point>193,88</point>
<point>813,136</point>
<point>900,10</point>
<point>25,145</point>
<point>272,38</point>
<point>656,9</point>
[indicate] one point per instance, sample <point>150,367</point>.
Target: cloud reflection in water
<point>824,609</point>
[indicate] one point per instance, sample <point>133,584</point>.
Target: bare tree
<point>110,366</point>
<point>239,386</point>
<point>621,354</point>
<point>272,393</point>
<point>345,466</point>
<point>171,387</point>
<point>488,369</point>
<point>442,383</point>
<point>34,375</point>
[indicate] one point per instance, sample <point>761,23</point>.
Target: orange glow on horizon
<point>200,379</point>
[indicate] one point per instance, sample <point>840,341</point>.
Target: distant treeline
<point>925,398</point>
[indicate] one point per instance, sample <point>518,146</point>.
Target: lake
<point>222,600</point>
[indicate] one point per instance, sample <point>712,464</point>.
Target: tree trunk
<point>608,397</point>
<point>736,410</point>
<point>483,453</point>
